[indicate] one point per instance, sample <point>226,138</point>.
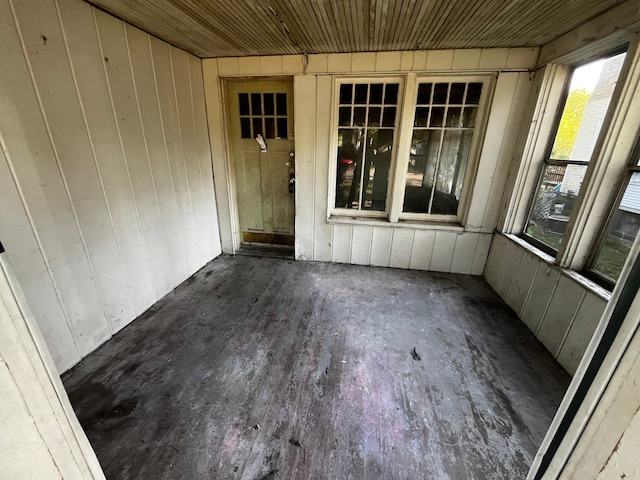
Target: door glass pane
<point>270,127</point>
<point>256,104</point>
<point>281,103</point>
<point>245,128</point>
<point>244,103</point>
<point>621,231</point>
<point>282,128</point>
<point>269,107</point>
<point>554,202</point>
<point>589,96</point>
<point>257,126</point>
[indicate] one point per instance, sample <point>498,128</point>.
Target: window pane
<point>361,94</point>
<point>621,232</point>
<point>346,93</point>
<point>344,116</point>
<point>457,93</point>
<point>359,114</point>
<point>440,93</point>
<point>375,94</point>
<point>374,116</point>
<point>391,94</point>
<point>256,104</point>
<point>453,161</point>
<point>453,116</point>
<point>589,96</point>
<point>469,117</point>
<point>244,103</point>
<point>437,117</point>
<point>375,178</point>
<point>554,202</point>
<point>349,155</point>
<point>269,107</point>
<point>424,94</point>
<point>281,103</point>
<point>282,128</point>
<point>422,115</point>
<point>473,93</point>
<point>389,117</point>
<point>421,170</point>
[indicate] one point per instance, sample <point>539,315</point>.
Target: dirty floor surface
<point>263,368</point>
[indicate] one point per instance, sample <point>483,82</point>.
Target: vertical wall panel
<point>522,281</point>
<point>562,309</point>
<point>422,248</point>
<point>582,329</point>
<point>512,257</point>
<point>86,116</point>
<point>482,252</point>
<point>164,193</point>
<point>401,247</point>
<point>361,245</point>
<point>495,260</point>
<point>321,229</point>
<point>443,248</point>
<point>341,244</point>
<point>465,252</point>
<point>304,92</point>
<point>96,99</point>
<point>381,246</point>
<point>56,87</point>
<point>542,289</point>
<point>210,211</point>
<point>161,54</point>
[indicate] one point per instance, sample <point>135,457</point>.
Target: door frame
<point>231,184</point>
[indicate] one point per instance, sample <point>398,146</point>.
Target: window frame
<point>407,98</point>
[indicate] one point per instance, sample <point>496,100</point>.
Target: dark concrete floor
<point>262,368</point>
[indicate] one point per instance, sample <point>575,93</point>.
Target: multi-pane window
<point>264,114</point>
<point>367,116</point>
<point>426,181</point>
<point>444,120</point>
<point>585,108</point>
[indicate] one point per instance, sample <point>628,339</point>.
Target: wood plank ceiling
<point>223,28</point>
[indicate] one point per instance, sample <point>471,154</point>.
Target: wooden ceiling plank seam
<point>429,25</point>
<point>454,16</point>
<point>482,20</point>
<point>397,30</point>
<point>381,27</point>
<point>439,23</point>
<point>317,33</point>
<point>468,17</point>
<point>416,25</point>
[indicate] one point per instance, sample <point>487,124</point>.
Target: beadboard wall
<point>461,249</point>
<point>106,191</point>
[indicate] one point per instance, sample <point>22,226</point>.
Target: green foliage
<point>570,123</point>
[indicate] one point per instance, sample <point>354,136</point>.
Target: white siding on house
<point>562,312</point>
<point>428,247</point>
<point>107,195</point>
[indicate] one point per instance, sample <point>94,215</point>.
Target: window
<point>414,169</point>
<point>565,167</point>
<point>264,114</point>
<point>620,230</point>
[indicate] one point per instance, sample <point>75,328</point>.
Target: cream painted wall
<point>561,308</point>
<point>461,249</point>
<point>106,190</point>
<point>40,436</point>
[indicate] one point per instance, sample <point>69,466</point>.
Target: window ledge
<point>589,285</point>
<point>379,222</point>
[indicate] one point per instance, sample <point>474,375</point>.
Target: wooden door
<point>263,177</point>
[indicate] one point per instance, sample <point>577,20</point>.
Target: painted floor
<point>264,368</point>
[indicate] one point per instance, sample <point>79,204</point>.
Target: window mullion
<point>403,148</point>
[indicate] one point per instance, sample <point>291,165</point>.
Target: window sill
<point>380,222</point>
<point>589,285</point>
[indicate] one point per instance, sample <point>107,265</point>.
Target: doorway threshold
<point>286,252</point>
